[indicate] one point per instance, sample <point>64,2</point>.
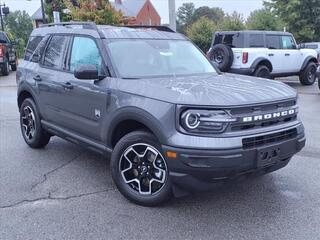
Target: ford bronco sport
<point>171,122</point>
<point>263,54</point>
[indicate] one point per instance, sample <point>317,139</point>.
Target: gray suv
<point>148,97</point>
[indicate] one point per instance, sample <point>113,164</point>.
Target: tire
<point>222,55</point>
<point>308,75</point>
<point>262,71</point>
<point>5,70</point>
<point>33,133</point>
<point>14,67</point>
<point>130,164</point>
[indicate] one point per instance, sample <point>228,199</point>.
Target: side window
<point>36,56</point>
<point>32,45</point>
<point>84,51</point>
<point>256,40</point>
<point>273,42</point>
<point>288,42</point>
<point>55,51</point>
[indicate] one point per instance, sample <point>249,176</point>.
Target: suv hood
<point>209,90</point>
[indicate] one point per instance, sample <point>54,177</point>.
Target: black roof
<point>109,32</point>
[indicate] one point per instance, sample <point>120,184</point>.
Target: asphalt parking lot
<point>66,192</point>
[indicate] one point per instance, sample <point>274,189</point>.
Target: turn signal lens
<point>171,154</point>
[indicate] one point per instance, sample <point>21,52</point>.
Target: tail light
<point>2,50</point>
<point>245,56</point>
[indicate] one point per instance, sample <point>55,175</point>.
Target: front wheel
<point>308,75</point>
<point>139,169</point>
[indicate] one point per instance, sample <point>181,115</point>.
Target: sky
<point>242,6</point>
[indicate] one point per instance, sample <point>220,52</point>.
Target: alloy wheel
<point>28,122</point>
<point>143,168</point>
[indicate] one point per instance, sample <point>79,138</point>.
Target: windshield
<point>157,58</point>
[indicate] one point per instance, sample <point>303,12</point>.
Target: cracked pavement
<point>66,192</point>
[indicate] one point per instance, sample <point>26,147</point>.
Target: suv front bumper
<point>198,169</point>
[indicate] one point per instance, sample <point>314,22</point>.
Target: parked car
<point>8,55</point>
<point>149,98</point>
<point>264,54</point>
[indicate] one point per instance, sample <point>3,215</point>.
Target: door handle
<point>67,85</point>
<point>287,54</point>
<point>37,78</point>
<point>271,54</point>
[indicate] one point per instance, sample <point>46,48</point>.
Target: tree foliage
<point>19,26</point>
<point>233,22</point>
<point>264,19</point>
<point>55,5</point>
<point>184,16</point>
<point>301,17</point>
<point>98,11</point>
<point>201,32</point>
<point>214,14</point>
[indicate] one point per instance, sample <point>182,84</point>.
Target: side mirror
<point>301,45</point>
<point>87,72</point>
<point>35,57</point>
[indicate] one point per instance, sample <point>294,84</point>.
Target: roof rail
<point>85,25</point>
<point>159,28</point>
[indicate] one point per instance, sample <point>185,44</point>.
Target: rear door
<point>49,77</point>
<point>275,53</point>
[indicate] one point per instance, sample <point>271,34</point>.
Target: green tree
<point>55,5</point>
<point>201,31</point>
<point>184,16</point>
<point>233,22</point>
<point>19,26</point>
<point>98,11</point>
<point>264,19</point>
<point>301,17</point>
<point>215,14</point>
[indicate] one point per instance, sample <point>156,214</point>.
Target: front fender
<point>139,115</point>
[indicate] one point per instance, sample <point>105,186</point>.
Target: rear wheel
<point>308,75</point>
<point>5,69</point>
<point>33,133</point>
<point>139,169</point>
<point>262,71</point>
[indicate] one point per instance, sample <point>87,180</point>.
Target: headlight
<point>205,121</point>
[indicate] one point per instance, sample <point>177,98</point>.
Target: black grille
<point>270,138</point>
<point>259,110</point>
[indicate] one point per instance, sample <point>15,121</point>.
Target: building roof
<point>130,8</point>
<point>38,15</point>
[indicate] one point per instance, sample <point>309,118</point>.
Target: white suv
<point>264,54</point>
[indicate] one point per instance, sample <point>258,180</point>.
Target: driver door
<point>85,101</point>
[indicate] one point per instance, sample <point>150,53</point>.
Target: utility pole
<point>172,15</point>
<point>3,12</point>
<point>44,20</point>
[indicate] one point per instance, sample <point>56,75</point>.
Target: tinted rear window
<point>234,40</point>
<point>32,45</point>
<point>3,38</point>
<point>256,40</point>
<point>273,41</point>
<point>54,53</point>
